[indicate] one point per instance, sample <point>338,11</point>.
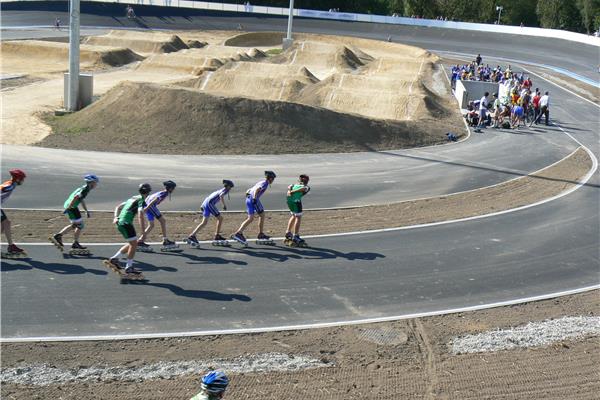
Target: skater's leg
<point>147,231</point>
<point>219,223</point>
<point>163,226</point>
<point>261,222</point>
<point>131,252</point>
<point>200,226</point>
<point>76,234</point>
<point>290,224</point>
<point>66,229</point>
<point>297,225</point>
<point>245,224</point>
<point>6,229</point>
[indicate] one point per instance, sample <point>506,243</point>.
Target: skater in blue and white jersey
<point>254,207</point>
<point>208,208</point>
<point>153,213</point>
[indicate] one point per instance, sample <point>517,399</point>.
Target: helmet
<point>270,174</point>
<point>145,188</point>
<point>227,182</point>
<point>169,185</point>
<point>91,178</point>
<point>304,179</point>
<point>17,174</point>
<point>215,382</point>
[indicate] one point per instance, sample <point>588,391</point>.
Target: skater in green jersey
<point>72,211</point>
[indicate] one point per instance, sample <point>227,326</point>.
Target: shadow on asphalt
<point>193,293</point>
<point>57,268</point>
<point>305,253</point>
<point>208,260</point>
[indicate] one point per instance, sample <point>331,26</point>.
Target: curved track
<point>545,249</point>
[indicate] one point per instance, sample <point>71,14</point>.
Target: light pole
<point>499,9</point>
<point>73,56</point>
<point>287,42</point>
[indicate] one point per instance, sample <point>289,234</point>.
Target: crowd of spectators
<point>520,104</point>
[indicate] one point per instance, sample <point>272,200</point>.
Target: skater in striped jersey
<point>17,177</point>
<point>208,208</point>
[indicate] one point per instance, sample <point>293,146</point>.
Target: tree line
<point>573,15</point>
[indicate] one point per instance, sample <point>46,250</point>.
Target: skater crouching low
<point>208,208</point>
<point>71,206</point>
<point>254,207</point>
<point>17,177</point>
<point>124,215</point>
<point>153,213</point>
<point>294,201</point>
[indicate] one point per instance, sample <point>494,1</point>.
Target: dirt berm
<point>150,118</point>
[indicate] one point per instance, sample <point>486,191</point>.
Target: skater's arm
<point>117,211</point>
<point>84,206</point>
<point>151,204</point>
<point>142,219</point>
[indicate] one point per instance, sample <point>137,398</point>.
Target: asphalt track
<point>550,248</point>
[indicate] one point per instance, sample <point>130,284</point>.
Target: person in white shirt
<point>545,107</point>
<point>483,105</point>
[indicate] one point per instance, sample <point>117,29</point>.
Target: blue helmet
<point>91,178</point>
<point>215,382</point>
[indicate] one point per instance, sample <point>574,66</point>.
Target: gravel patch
<point>534,334</point>
<point>44,374</point>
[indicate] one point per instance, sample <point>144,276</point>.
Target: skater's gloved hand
<point>224,208</point>
<point>64,212</point>
<point>89,214</point>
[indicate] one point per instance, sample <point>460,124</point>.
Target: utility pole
<point>499,9</point>
<point>287,42</point>
<point>73,56</point>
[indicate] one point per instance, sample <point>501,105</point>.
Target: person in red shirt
<point>536,104</point>
<point>16,179</point>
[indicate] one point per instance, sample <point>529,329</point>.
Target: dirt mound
<point>195,61</point>
<point>141,42</point>
<point>175,120</point>
<point>195,44</point>
<point>259,80</point>
<point>256,39</point>
<point>43,51</point>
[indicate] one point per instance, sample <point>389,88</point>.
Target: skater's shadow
<point>13,265</point>
<point>195,294</point>
<point>320,253</point>
<point>210,260</point>
<point>262,253</point>
<point>312,253</point>
<point>59,268</point>
<point>149,267</point>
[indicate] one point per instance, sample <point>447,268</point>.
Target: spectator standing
<point>478,59</point>
<point>483,105</point>
<point>536,105</point>
<point>545,107</point>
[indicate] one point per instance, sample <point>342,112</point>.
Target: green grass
<point>274,52</point>
<point>60,125</point>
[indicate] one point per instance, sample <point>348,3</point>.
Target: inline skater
<point>152,213</point>
<point>213,386</point>
<point>124,214</point>
<point>208,208</point>
<point>17,177</point>
<point>71,206</point>
<point>254,206</point>
<point>295,193</point>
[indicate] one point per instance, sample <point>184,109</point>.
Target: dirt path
<point>407,359</point>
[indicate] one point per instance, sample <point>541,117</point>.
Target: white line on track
<point>303,326</point>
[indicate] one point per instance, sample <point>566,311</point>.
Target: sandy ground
<point>373,79</point>
<point>38,225</point>
<point>414,362</point>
